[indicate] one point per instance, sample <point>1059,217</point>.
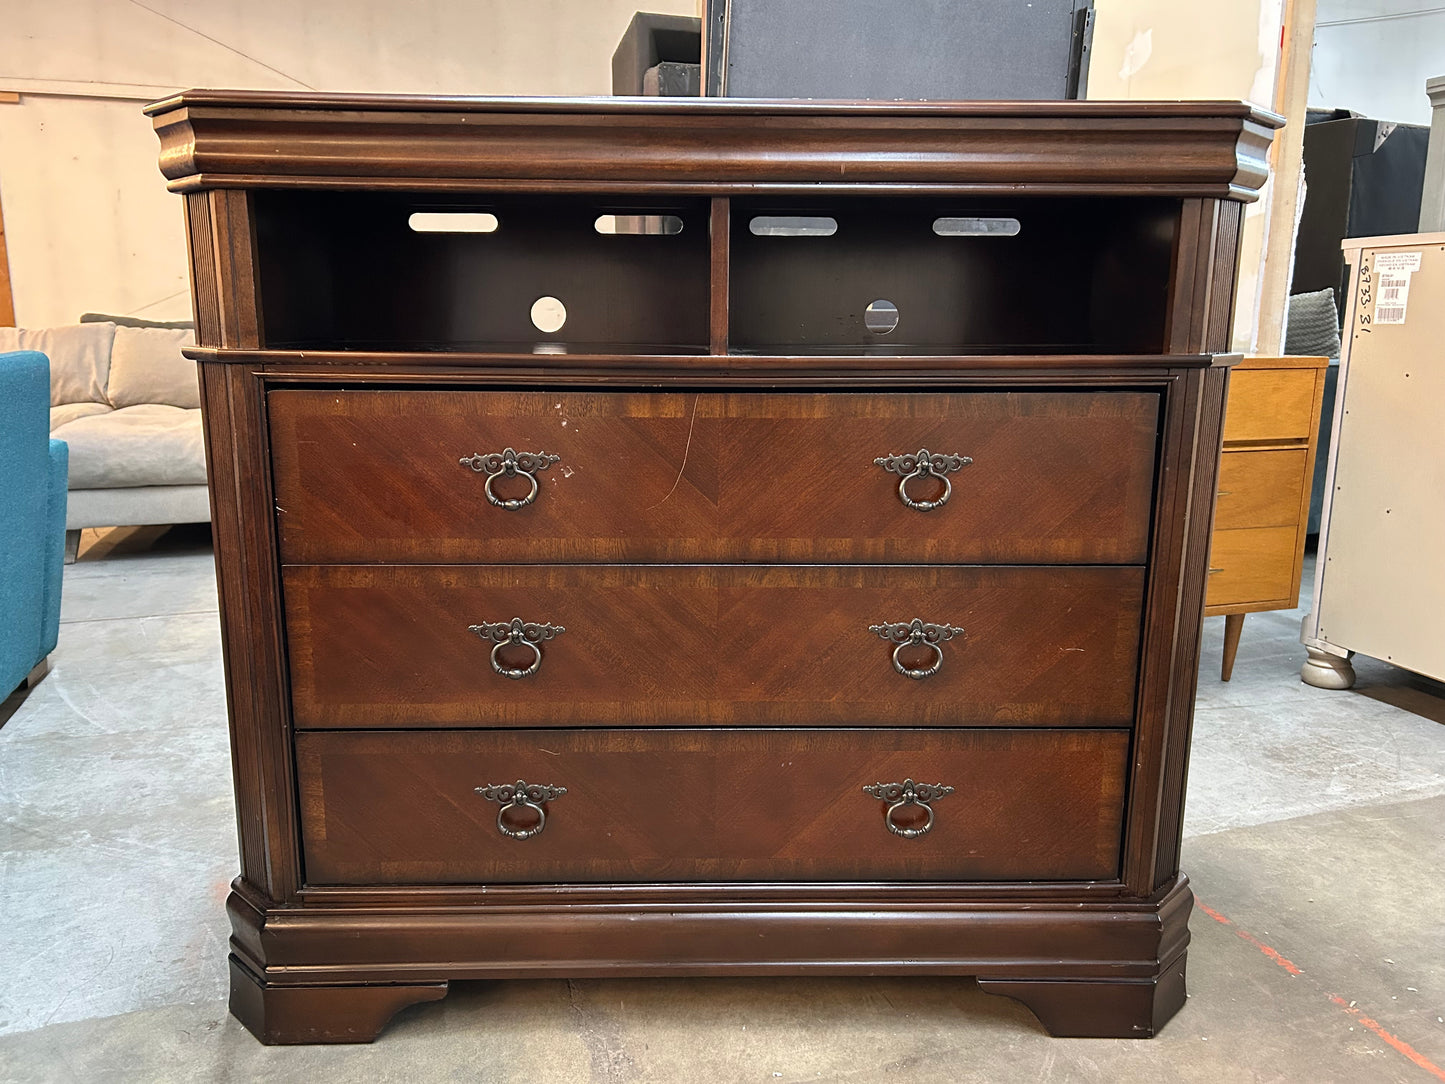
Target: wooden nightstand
<point>1271,427</point>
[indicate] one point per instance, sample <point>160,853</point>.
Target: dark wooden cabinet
<point>715,537</point>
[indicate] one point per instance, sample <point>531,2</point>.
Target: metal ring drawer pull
<point>908,633</point>
<point>509,463</point>
<point>904,794</point>
<point>516,631</point>
<point>923,464</point>
<point>524,795</point>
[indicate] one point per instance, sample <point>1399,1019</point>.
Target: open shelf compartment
<point>912,275</point>
<point>381,271</point>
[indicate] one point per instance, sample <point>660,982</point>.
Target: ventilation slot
<point>453,222</point>
<point>976,227</point>
<point>788,226</point>
<point>650,225</point>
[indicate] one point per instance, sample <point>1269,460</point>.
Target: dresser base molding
<point>336,973</point>
<point>281,1015</point>
<point>1116,1009</point>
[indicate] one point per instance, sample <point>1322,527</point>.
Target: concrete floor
<point>1314,843</point>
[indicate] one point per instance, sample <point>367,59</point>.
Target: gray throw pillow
<point>1312,327</point>
<point>146,366</point>
<point>79,358</point>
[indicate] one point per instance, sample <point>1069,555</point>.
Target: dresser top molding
<point>251,139</point>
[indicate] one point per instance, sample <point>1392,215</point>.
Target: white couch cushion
<point>136,446</point>
<point>146,366</point>
<point>68,412</point>
<point>79,358</point>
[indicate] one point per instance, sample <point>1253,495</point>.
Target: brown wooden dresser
<point>1271,431</point>
<point>697,538</point>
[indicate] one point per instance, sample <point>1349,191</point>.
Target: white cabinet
<point>1380,579</point>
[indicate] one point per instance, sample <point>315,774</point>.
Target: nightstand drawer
<point>419,646</point>
<point>1252,565</point>
<point>1270,405</point>
<point>1260,489</point>
<point>517,477</point>
<point>763,805</point>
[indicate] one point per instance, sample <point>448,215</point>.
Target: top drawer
<point>1272,405</point>
<point>1054,477</point>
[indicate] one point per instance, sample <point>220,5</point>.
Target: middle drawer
<point>415,646</point>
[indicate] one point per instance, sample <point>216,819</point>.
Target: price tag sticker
<point>1392,285</point>
<point>1397,261</point>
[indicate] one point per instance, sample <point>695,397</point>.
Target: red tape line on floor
<point>1400,1045</point>
<point>1256,942</point>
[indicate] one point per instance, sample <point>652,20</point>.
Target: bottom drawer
<point>1252,564</point>
<point>710,805</point>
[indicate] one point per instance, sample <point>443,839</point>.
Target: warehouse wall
<point>90,226</point>
<point>1373,56</point>
<point>88,222</point>
<point>1152,49</point>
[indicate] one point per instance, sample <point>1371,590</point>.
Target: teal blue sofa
<point>33,474</point>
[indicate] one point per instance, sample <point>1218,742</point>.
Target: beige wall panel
<point>89,223</point>
<point>1374,56</point>
<point>421,46</point>
<point>1145,49</point>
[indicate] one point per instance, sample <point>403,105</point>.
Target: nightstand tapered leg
<point>1233,626</point>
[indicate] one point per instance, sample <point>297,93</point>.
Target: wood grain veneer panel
<point>649,646</point>
<point>1057,476</point>
<point>701,805</point>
